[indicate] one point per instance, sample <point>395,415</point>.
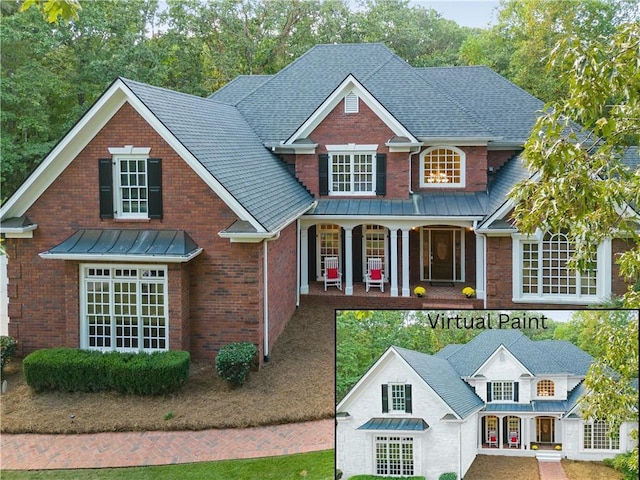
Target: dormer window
<point>545,388</point>
<point>351,103</point>
<point>442,167</point>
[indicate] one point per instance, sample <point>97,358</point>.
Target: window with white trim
<point>352,173</point>
<point>394,455</point>
<point>545,388</point>
<point>375,245</point>
<point>131,186</point>
<point>328,241</point>
<point>443,167</point>
<point>124,308</point>
<point>545,270</point>
<point>597,436</point>
<point>502,391</point>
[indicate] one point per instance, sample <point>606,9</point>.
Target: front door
<point>545,429</point>
<point>442,255</point>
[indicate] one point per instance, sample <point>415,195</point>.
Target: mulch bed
<point>296,385</point>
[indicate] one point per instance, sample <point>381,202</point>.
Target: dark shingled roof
<point>444,380</point>
<point>217,135</point>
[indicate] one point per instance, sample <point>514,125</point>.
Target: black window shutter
<point>516,395</point>
<point>105,181</point>
<point>407,399</point>
<point>488,391</point>
<point>323,167</point>
<point>154,176</point>
<point>385,398</point>
<point>381,174</point>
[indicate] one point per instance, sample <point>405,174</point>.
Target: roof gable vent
<point>351,103</point>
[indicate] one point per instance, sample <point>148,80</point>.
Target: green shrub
<point>234,361</point>
<point>74,370</point>
<point>448,476</point>
<point>8,346</point>
<point>624,464</point>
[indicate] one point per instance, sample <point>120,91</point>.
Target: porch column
<point>480,266</point>
<point>394,262</point>
<point>523,431</point>
<point>500,432</point>
<point>304,260</point>
<point>348,260</point>
<point>406,288</point>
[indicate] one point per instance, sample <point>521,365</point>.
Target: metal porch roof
<point>413,424</point>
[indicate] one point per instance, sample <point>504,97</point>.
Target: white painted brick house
<point>499,394</point>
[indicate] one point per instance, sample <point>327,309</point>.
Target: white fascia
<point>19,232</point>
<point>94,257</point>
<point>349,84</point>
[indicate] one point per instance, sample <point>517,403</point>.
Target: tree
<point>52,9</point>
<point>582,184</point>
<point>527,31</point>
<point>613,378</point>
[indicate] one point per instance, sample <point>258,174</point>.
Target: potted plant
<point>558,447</point>
<point>419,291</point>
<point>534,447</point>
<point>468,292</point>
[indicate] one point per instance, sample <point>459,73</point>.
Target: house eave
<point>458,141</point>
<point>19,232</point>
<point>101,257</point>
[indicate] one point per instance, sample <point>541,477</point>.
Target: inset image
<point>485,394</point>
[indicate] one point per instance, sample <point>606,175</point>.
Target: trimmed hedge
<point>448,476</point>
<point>8,346</point>
<point>377,477</point>
<point>75,370</point>
<point>234,361</point>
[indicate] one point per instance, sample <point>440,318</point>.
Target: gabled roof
<point>539,357</point>
<point>212,137</point>
<point>222,141</point>
<point>443,380</point>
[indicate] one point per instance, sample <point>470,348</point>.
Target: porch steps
<point>547,456</point>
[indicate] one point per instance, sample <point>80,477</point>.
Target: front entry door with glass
<point>442,254</point>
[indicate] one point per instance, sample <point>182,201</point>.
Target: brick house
<point>164,220</point>
<point>499,394</point>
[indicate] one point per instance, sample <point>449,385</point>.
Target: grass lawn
<point>307,466</point>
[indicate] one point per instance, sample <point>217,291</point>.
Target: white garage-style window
<point>124,308</point>
<point>394,455</point>
<point>442,167</point>
<point>542,272</point>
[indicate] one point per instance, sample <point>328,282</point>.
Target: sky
<point>466,13</point>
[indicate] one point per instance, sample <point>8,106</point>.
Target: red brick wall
<point>214,299</point>
<point>282,259</point>
<point>475,171</point>
<point>340,128</point>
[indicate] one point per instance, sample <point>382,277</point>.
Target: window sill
<point>559,300</point>
<point>132,220</point>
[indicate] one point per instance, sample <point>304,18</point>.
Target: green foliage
<point>52,9</point>
<point>74,370</point>
<point>623,463</point>
<point>234,361</point>
<point>448,476</point>
<point>8,346</point>
<point>603,78</point>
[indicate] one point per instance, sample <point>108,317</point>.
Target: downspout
<point>298,234</point>
<point>411,154</point>
<point>460,450</point>
<point>265,287</point>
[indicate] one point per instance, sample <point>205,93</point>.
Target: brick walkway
<point>551,471</point>
<point>40,452</point>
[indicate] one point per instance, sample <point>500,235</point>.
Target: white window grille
<point>125,308</point>
<point>443,167</point>
<point>597,436</point>
<point>394,456</point>
<point>352,173</point>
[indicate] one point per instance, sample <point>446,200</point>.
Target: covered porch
<point>502,433</point>
<point>441,255</point>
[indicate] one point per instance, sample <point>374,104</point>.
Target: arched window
<point>546,388</point>
<point>442,167</point>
